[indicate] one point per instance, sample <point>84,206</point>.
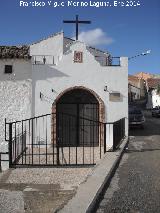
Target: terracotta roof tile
<point>144,75</point>
<point>153,82</point>
<point>132,77</point>
<point>14,52</point>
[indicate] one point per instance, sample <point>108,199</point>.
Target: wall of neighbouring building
<point>134,92</point>
<point>15,94</point>
<point>51,47</point>
<point>155,98</point>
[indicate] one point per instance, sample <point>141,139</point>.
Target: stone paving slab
<point>11,201</point>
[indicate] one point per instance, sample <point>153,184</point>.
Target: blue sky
<point>123,31</point>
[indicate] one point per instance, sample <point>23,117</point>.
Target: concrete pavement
<point>135,187</point>
<point>89,193</point>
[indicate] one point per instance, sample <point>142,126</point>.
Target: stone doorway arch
<point>69,109</point>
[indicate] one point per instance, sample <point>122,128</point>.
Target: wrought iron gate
<point>32,143</point>
<point>81,128</point>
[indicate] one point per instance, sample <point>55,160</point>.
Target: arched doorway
<point>77,119</point>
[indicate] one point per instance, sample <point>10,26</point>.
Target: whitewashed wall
<point>15,94</point>
<point>52,46</point>
<point>99,55</point>
<point>136,91</point>
<point>155,98</point>
<point>67,42</point>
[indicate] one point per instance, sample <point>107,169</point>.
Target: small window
<point>8,69</point>
<point>78,57</point>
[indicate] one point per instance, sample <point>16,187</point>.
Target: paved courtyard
<point>67,155</point>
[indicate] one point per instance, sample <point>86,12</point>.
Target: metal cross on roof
<point>77,22</point>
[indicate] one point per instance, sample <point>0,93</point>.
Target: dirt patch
<point>39,198</point>
<point>43,190</point>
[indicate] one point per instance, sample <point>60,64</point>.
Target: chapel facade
<point>58,75</point>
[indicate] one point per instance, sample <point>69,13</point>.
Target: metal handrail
<point>110,60</point>
<point>41,116</point>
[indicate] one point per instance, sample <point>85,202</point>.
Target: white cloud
<point>95,37</point>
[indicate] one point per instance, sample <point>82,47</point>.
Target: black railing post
<point>10,145</point>
<point>118,132</point>
<point>32,138</point>
<point>57,136</point>
<point>121,128</point>
<point>113,137</point>
<point>124,122</point>
<point>104,139</point>
<point>5,130</point>
<point>0,163</point>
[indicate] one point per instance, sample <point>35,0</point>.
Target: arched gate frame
<point>78,113</point>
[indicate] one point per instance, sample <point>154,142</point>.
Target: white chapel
<point>58,75</point>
